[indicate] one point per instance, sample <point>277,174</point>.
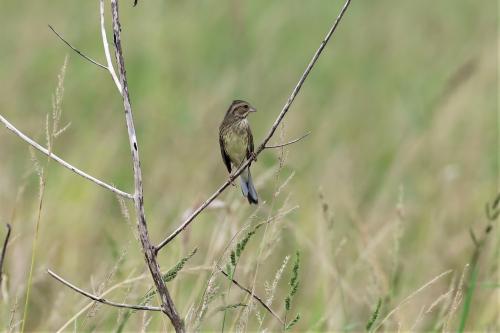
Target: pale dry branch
<point>59,160</point>
<point>83,55</point>
<point>110,67</point>
<point>268,137</point>
<point>100,299</point>
<point>168,306</point>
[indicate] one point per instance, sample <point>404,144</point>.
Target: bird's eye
<point>245,107</point>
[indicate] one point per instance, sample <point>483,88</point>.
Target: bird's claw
<point>231,179</point>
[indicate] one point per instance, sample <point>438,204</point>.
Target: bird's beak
<point>252,109</point>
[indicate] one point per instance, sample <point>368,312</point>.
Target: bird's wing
<point>225,156</point>
<point>250,146</point>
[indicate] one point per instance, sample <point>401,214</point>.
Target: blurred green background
<point>401,160</point>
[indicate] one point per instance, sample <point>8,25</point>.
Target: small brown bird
<point>236,144</point>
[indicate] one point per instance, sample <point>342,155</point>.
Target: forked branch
<point>268,137</point>
<point>168,306</point>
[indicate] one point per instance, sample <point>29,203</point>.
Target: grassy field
<point>379,199</point>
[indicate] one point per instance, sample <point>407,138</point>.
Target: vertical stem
<point>149,253</point>
<point>43,180</point>
<point>4,251</point>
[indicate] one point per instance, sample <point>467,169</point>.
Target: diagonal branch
<point>257,298</point>
<point>4,251</point>
<point>61,161</point>
<point>287,143</point>
<point>98,64</point>
<point>100,299</point>
<point>262,146</point>
<point>168,306</point>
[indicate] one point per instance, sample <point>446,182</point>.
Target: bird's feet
<point>231,179</point>
<point>253,156</point>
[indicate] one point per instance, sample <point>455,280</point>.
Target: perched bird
<point>236,144</point>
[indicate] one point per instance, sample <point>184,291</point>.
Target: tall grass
<point>52,130</point>
<point>402,110</point>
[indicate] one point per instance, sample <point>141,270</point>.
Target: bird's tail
<point>247,187</point>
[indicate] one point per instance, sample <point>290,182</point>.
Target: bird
<point>236,144</point>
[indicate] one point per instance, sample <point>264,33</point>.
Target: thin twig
<point>262,146</point>
<point>168,306</point>
<point>61,161</point>
<point>4,251</point>
<point>287,143</point>
<point>110,68</point>
<point>100,299</point>
<point>257,298</point>
<point>98,64</point>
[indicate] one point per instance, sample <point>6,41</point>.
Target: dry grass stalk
<point>457,299</point>
<point>271,288</point>
<point>409,297</point>
<point>50,132</point>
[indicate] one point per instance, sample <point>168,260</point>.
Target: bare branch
<point>61,161</point>
<point>100,299</point>
<point>110,68</point>
<point>98,64</point>
<point>287,143</point>
<point>262,146</point>
<point>4,251</point>
<point>167,304</point>
<point>257,298</point>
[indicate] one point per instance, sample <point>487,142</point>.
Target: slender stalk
<point>257,298</point>
<point>268,137</point>
<point>4,251</point>
<point>43,180</point>
<point>492,213</point>
<point>409,297</point>
<point>287,143</point>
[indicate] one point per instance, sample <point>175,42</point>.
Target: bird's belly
<point>236,147</point>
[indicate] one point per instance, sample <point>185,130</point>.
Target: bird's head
<point>240,109</point>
